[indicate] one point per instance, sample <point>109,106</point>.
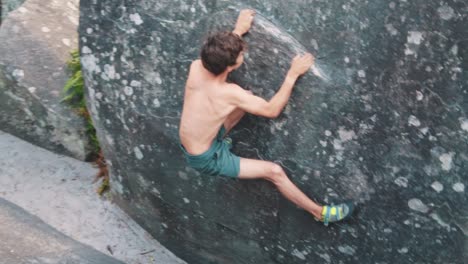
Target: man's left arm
<point>244,22</point>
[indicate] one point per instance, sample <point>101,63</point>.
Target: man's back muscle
<point>205,109</point>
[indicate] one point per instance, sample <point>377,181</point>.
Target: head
<point>222,51</point>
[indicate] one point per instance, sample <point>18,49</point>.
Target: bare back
<point>205,109</point>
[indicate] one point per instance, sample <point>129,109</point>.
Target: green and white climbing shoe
<point>335,213</point>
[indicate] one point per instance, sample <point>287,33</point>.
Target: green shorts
<point>217,160</point>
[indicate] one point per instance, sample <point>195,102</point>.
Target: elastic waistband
<point>210,152</point>
<point>205,155</point>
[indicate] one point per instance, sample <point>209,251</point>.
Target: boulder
<point>27,239</point>
<point>36,42</point>
<point>8,6</point>
<point>381,119</point>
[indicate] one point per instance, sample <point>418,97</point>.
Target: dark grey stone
<point>26,239</point>
<point>36,42</point>
<point>382,121</point>
<point>6,6</point>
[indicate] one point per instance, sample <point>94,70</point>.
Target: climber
<point>212,107</point>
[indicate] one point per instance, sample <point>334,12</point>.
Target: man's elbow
<point>272,113</point>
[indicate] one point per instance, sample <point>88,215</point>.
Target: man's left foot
<point>335,213</point>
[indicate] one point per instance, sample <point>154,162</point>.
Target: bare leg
<point>254,169</point>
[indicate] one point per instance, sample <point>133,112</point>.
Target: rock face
<point>36,41</point>
<point>27,239</point>
<point>7,6</point>
<point>60,191</point>
<point>381,119</point>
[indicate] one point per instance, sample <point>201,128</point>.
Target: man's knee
<point>275,173</point>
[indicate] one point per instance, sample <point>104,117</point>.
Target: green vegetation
<point>74,96</point>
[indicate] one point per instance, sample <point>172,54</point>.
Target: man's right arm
<point>271,109</point>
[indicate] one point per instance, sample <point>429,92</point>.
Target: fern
<point>73,94</point>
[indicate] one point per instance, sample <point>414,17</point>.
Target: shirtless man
<point>212,107</point>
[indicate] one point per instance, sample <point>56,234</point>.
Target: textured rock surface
<point>60,191</point>
<point>27,239</point>
<point>36,40</point>
<point>382,121</point>
<point>7,6</point>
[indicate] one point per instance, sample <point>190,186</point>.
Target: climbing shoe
<point>334,213</point>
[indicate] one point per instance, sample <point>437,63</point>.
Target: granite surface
<point>36,41</point>
<point>27,239</point>
<point>6,6</point>
<point>61,191</point>
<point>381,120</point>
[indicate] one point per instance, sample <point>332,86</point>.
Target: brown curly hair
<point>221,50</point>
